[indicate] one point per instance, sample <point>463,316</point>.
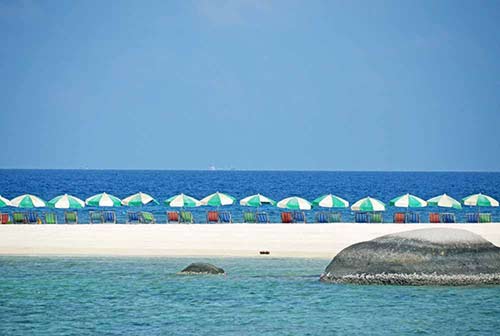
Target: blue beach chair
<point>448,218</point>
<point>262,217</point>
<point>108,217</point>
<point>225,217</point>
<point>299,217</point>
<point>472,218</point>
<point>31,218</point>
<point>412,217</point>
<point>361,217</point>
<point>322,217</point>
<point>133,217</point>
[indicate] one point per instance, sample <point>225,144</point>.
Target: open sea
<point>266,296</point>
<point>275,184</point>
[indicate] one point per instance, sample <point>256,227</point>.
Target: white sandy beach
<point>236,240</point>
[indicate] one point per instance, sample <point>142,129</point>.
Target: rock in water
<point>202,268</point>
<point>436,256</point>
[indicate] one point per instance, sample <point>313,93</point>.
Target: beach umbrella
<point>480,200</point>
<point>66,202</point>
<point>218,199</point>
<point>256,201</point>
<point>4,202</point>
<point>181,201</point>
<point>330,201</point>
<point>294,203</point>
<point>27,201</point>
<point>368,204</point>
<point>103,200</point>
<point>444,201</point>
<point>408,201</point>
<point>138,199</point>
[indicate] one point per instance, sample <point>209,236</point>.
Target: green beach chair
<point>70,217</point>
<point>376,217</point>
<point>18,218</point>
<point>147,218</point>
<point>335,217</point>
<point>187,217</point>
<point>50,218</point>
<point>484,218</point>
<point>249,217</point>
<point>95,217</point>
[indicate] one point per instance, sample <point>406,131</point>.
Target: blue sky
<point>249,84</point>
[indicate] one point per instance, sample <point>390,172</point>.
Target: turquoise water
<point>144,296</point>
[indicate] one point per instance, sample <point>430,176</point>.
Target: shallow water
<point>145,296</point>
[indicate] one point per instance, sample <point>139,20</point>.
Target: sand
<point>218,240</point>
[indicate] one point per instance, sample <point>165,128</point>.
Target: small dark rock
<point>202,268</point>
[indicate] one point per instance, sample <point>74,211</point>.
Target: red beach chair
<point>213,217</point>
<point>399,217</point>
<point>172,217</point>
<point>434,218</point>
<point>4,218</point>
<point>286,217</point>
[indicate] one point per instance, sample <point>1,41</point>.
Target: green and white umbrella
<point>330,201</point>
<point>181,201</point>
<point>368,204</point>
<point>103,200</point>
<point>66,202</point>
<point>408,201</point>
<point>256,201</point>
<point>294,203</point>
<point>138,199</point>
<point>4,202</point>
<point>480,200</point>
<point>218,199</point>
<point>27,201</point>
<point>444,201</point>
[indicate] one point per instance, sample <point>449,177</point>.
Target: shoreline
<point>321,241</point>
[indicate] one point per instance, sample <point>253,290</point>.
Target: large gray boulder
<point>202,268</point>
<point>436,256</point>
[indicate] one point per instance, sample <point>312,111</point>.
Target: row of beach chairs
<point>142,217</point>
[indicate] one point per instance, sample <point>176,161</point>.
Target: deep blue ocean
<point>275,184</point>
<point>144,296</point>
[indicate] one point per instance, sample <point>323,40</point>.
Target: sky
<point>250,84</point>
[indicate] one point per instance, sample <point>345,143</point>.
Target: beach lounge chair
<point>249,217</point>
<point>262,217</point>
<point>212,217</point>
<point>484,218</point>
<point>322,217</point>
<point>286,217</point>
<point>335,217</point>
<point>399,218</point>
<point>186,217</point>
<point>108,217</point>
<point>472,217</point>
<point>50,218</point>
<point>19,218</point>
<point>70,217</point>
<point>376,217</point>
<point>434,218</point>
<point>147,218</point>
<point>173,217</point>
<point>225,217</point>
<point>4,218</point>
<point>133,217</point>
<point>361,217</point>
<point>448,218</point>
<point>31,218</point>
<point>95,217</point>
<point>412,217</point>
<point>299,217</point>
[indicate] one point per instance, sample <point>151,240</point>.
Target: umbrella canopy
<point>27,201</point>
<point>66,202</point>
<point>103,200</point>
<point>330,201</point>
<point>4,202</point>
<point>444,201</point>
<point>257,200</point>
<point>294,203</point>
<point>218,199</point>
<point>138,199</point>
<point>181,201</point>
<point>480,200</point>
<point>408,201</point>
<point>368,204</point>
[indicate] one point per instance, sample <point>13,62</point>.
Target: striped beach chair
<point>286,217</point>
<point>95,217</point>
<point>434,218</point>
<point>108,217</point>
<point>376,217</point>
<point>133,217</point>
<point>70,217</point>
<point>299,217</point>
<point>50,218</point>
<point>173,217</point>
<point>19,218</point>
<point>484,218</point>
<point>472,217</point>
<point>335,217</point>
<point>186,217</point>
<point>412,217</point>
<point>448,218</point>
<point>225,217</point>
<point>322,217</point>
<point>32,218</point>
<point>249,217</point>
<point>262,217</point>
<point>361,217</point>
